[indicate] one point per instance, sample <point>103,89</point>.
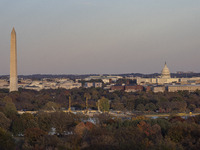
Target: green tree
<point>104,104</point>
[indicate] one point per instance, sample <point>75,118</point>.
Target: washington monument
<point>13,62</point>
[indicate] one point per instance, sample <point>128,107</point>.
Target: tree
<point>52,106</point>
<point>140,107</point>
<point>33,136</point>
<point>87,96</point>
<point>4,121</point>
<point>104,104</point>
<point>44,121</point>
<point>6,140</point>
<point>187,134</point>
<point>130,105</point>
<point>23,122</point>
<point>51,142</point>
<point>167,144</point>
<point>102,119</point>
<point>192,107</point>
<point>62,122</point>
<point>100,138</point>
<point>150,107</point>
<point>117,105</point>
<point>130,138</point>
<point>9,110</point>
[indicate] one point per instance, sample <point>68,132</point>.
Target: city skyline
<point>88,36</point>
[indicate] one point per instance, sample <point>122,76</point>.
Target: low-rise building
<point>70,85</point>
<point>4,84</point>
<point>133,88</point>
<point>117,87</point>
<point>88,84</point>
<point>105,79</point>
<point>35,85</point>
<point>157,89</point>
<point>190,88</point>
<point>127,88</point>
<point>93,84</point>
<point>97,84</point>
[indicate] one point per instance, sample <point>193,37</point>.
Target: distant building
<point>36,88</point>
<point>105,79</point>
<point>134,88</point>
<point>157,89</point>
<point>190,88</point>
<point>165,72</point>
<point>35,85</point>
<point>4,84</point>
<point>88,84</point>
<point>108,87</point>
<point>70,85</point>
<point>127,88</point>
<point>97,84</point>
<point>182,72</point>
<point>93,84</point>
<point>49,84</point>
<point>117,88</point>
<point>190,80</point>
<point>165,78</point>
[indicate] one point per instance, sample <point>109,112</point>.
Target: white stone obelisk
<point>13,62</point>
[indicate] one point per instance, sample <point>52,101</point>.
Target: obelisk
<point>13,62</point>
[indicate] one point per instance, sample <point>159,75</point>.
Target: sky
<point>101,36</point>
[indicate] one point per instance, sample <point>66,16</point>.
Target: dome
<point>165,72</point>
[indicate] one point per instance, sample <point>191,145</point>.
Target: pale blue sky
<point>101,36</point>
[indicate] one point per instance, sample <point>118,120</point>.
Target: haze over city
<point>91,36</point>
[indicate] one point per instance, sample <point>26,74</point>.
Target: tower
<point>13,62</point>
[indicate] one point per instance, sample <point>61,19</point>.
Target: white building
<point>70,85</point>
<point>190,88</point>
<point>165,78</point>
<point>105,79</point>
<point>4,84</point>
<point>93,84</point>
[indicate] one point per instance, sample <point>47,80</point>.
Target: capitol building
<point>165,78</point>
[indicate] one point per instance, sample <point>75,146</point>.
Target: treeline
<point>119,100</point>
<point>61,131</point>
<point>72,76</point>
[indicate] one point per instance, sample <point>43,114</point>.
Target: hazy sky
<point>101,36</point>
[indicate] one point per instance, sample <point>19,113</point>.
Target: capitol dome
<point>165,72</point>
